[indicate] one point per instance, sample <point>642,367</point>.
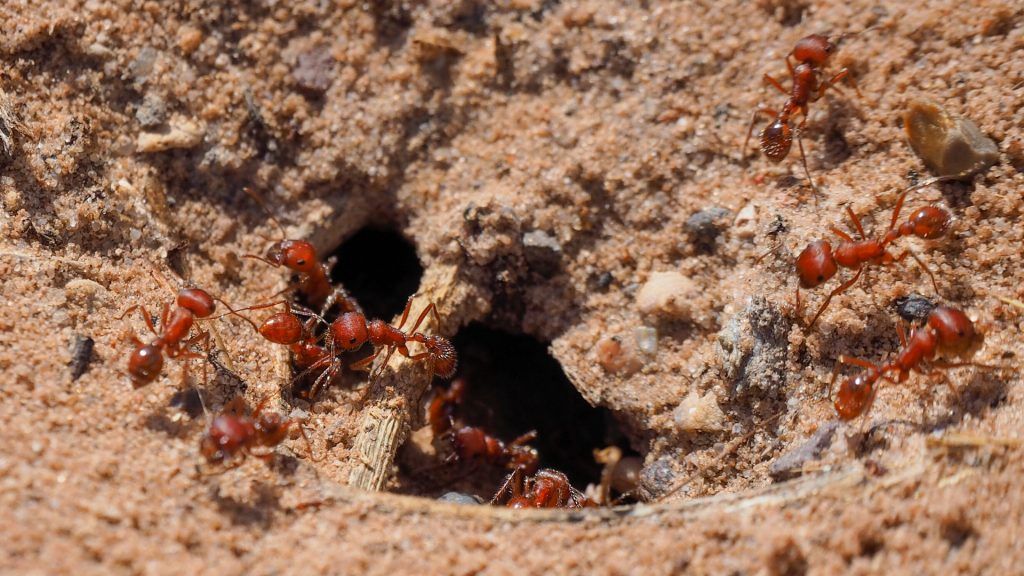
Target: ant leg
<point>767,78</point>
<point>365,363</point>
<point>753,120</point>
<point>841,234</point>
<point>803,158</point>
<point>924,267</point>
<point>513,486</point>
<point>833,82</point>
<point>842,288</point>
<point>387,357</point>
<point>145,316</point>
<point>856,222</point>
<point>430,308</point>
<point>340,295</point>
<point>234,312</point>
<point>524,438</point>
<point>309,445</point>
<point>903,335</point>
<point>896,211</point>
<point>259,407</point>
<point>405,313</point>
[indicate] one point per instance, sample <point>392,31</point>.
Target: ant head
<point>954,329</point>
<point>282,328</point>
<point>855,394</point>
<point>816,264</point>
<point>776,140</point>
<point>198,301</point>
<point>145,364</point>
<point>227,435</point>
<point>349,332</point>
<point>297,255</point>
<point>271,429</point>
<point>814,49</point>
<point>930,222</point>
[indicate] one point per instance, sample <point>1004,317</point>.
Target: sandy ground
<point>544,159</point>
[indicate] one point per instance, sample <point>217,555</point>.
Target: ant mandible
<point>147,360</point>
<point>546,489</point>
<point>811,53</point>
<point>946,330</point>
<point>232,434</point>
<point>819,261</point>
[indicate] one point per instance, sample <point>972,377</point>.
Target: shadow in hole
<point>380,269</point>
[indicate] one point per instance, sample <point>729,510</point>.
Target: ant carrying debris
<point>819,261</point>
<point>811,54</point>
<point>234,435</point>
<point>147,360</point>
<point>546,489</point>
<point>946,330</point>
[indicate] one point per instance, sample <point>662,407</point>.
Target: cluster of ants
<point>318,346</point>
<point>942,329</point>
<point>318,349</point>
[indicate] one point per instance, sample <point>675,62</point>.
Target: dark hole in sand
<point>380,269</point>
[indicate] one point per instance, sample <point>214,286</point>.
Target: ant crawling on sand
<point>300,256</point>
<point>819,261</point>
<point>946,330</point>
<point>147,360</point>
<point>811,54</point>
<point>232,434</point>
<point>546,489</point>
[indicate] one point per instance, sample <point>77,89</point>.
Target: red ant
<point>811,53</point>
<point>818,262</point>
<point>350,331</point>
<point>232,434</point>
<point>147,360</point>
<point>946,330</point>
<point>300,256</point>
<point>473,443</point>
<point>441,411</point>
<point>546,489</point>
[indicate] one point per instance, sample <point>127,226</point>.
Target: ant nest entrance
<point>510,386</point>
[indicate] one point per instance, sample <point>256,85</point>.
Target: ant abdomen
<point>776,140</point>
<point>197,301</point>
<point>282,328</point>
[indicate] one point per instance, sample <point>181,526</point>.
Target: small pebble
<point>705,226</point>
<point>698,413</point>
<point>460,498</point>
<point>791,463</point>
<point>913,308</point>
<point>949,145</point>
<point>314,70</point>
<point>81,355</point>
<point>646,340</point>
<point>668,294</point>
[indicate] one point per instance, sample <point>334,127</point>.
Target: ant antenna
<point>266,209</point>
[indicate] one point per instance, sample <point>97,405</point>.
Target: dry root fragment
<point>949,145</point>
<point>182,135</point>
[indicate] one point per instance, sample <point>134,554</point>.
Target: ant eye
<point>301,262</point>
<point>352,340</point>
